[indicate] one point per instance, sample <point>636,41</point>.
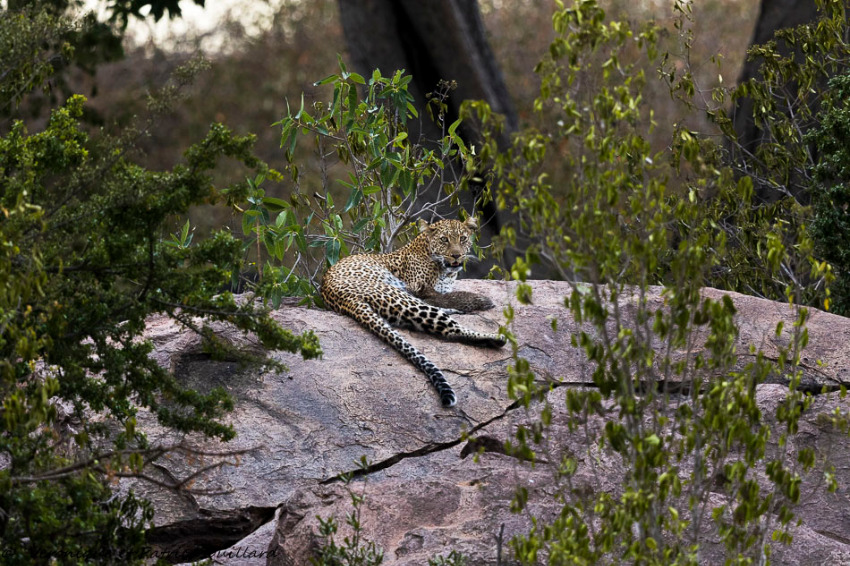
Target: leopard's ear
<point>472,223</point>
<point>423,225</point>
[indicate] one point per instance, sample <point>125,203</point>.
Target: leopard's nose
<point>456,256</point>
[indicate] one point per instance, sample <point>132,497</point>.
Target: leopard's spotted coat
<point>380,290</point>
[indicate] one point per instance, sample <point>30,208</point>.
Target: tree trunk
<point>432,41</point>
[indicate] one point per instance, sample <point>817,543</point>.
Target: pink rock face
<point>426,495</point>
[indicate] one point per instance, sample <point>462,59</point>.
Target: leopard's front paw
<point>477,302</point>
<point>464,301</point>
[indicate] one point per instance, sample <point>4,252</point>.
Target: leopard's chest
<point>416,274</point>
<point>445,282</point>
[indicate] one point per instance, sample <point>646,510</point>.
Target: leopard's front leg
<point>455,302</point>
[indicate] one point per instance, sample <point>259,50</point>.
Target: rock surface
<point>425,494</point>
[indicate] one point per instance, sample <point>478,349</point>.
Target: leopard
<point>412,287</point>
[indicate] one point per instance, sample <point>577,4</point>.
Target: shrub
<point>82,265</point>
<point>385,179</point>
<point>619,225</point>
<point>831,193</point>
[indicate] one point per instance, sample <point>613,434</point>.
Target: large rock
<point>425,493</point>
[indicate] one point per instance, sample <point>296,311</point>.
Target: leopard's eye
<point>444,240</point>
<point>463,239</point>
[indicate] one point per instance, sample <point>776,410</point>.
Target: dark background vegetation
<point>257,66</point>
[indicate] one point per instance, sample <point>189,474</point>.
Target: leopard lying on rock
<point>412,287</point>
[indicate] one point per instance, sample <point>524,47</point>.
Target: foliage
<point>831,193</point>
<point>454,558</point>
<point>38,40</point>
<point>355,551</point>
<point>285,46</point>
<point>122,10</point>
<point>784,101</point>
<point>83,264</point>
<point>388,179</point>
<point>669,370</point>
<point>773,177</point>
<point>23,60</point>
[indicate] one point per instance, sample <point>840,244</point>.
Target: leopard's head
<point>450,241</point>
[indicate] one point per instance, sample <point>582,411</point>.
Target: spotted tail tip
<point>448,398</point>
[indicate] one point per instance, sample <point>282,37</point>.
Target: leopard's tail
<point>366,315</point>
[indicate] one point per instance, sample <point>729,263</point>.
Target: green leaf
<point>354,198</point>
<point>326,80</point>
<point>275,204</point>
<point>455,137</point>
<point>301,109</point>
<point>248,220</point>
<point>332,251</point>
<point>184,234</point>
<point>406,182</point>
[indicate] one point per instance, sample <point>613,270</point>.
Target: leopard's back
<point>358,277</point>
